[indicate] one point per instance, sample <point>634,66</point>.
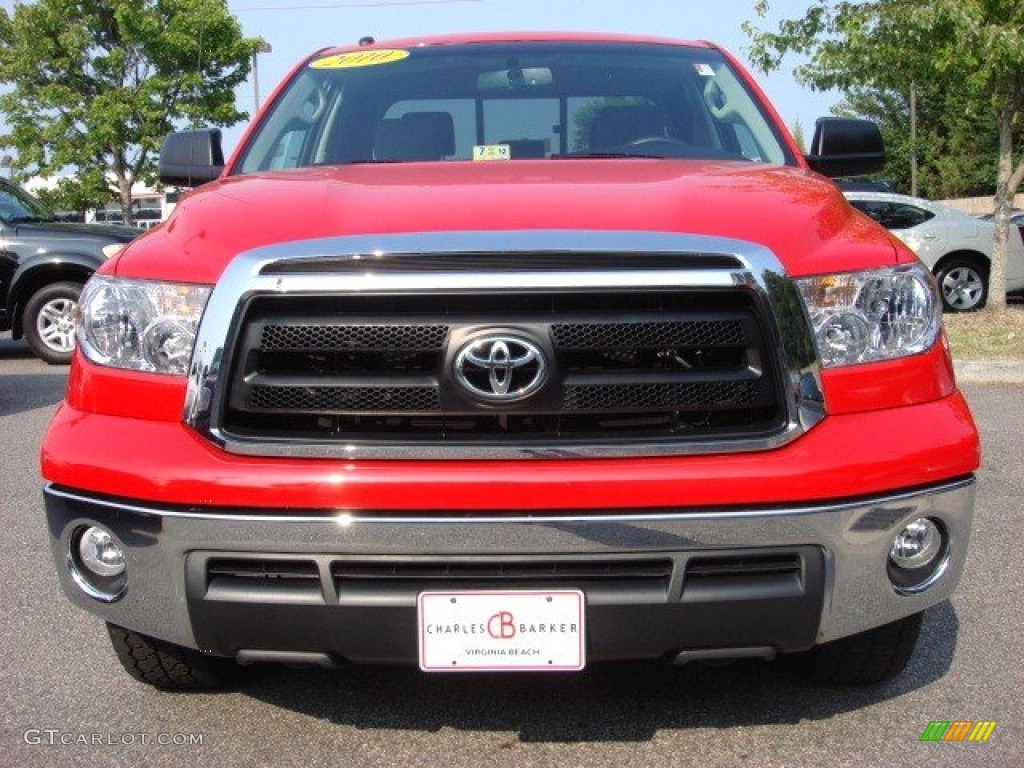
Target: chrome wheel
<point>55,324</point>
<point>962,288</point>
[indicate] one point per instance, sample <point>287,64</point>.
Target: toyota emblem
<point>500,369</point>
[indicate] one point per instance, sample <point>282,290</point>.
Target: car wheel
<point>963,283</point>
<point>171,667</point>
<point>49,322</point>
<point>874,656</point>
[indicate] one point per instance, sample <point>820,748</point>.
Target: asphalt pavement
<point>65,700</point>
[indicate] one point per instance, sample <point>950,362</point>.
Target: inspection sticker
<point>486,152</point>
<point>360,59</point>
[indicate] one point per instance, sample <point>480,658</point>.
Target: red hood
<point>801,217</point>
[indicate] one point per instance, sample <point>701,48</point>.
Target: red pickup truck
<point>512,352</point>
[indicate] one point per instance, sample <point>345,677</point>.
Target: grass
<point>987,335</point>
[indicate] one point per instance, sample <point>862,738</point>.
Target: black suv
<point>43,265</point>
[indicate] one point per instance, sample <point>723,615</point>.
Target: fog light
<point>97,563</point>
<point>100,553</point>
<point>918,556</point>
<point>916,545</point>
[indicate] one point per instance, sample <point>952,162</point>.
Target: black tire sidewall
<point>866,658</point>
<point>172,667</point>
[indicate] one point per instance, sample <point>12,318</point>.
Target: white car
<point>956,247</point>
<point>1016,219</point>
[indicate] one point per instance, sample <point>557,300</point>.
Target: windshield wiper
<point>376,161</point>
<point>603,155</point>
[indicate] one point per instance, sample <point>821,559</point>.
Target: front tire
<point>963,282</point>
<point>49,322</point>
<point>171,667</point>
<point>866,658</point>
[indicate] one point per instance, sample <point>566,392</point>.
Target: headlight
<point>138,324</point>
<point>880,314</point>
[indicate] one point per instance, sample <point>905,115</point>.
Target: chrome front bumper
<point>854,538</point>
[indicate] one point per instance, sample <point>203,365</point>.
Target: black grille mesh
<point>622,366</point>
<point>345,399</point>
<point>703,395</point>
<point>640,334</point>
<point>353,337</point>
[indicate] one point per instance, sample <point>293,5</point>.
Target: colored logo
<point>501,626</point>
<point>958,730</point>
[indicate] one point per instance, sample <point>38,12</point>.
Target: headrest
<point>415,136</point>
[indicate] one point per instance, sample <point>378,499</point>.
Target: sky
<point>295,28</point>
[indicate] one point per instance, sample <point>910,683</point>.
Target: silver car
<point>955,246</point>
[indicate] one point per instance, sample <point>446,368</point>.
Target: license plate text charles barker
<point>500,625</point>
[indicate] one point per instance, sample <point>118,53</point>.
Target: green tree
<point>75,194</point>
<point>887,44</point>
<point>957,143</point>
<point>95,85</point>
<point>797,129</point>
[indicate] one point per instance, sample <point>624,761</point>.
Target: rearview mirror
<point>513,78</point>
<point>190,158</point>
<point>844,146</point>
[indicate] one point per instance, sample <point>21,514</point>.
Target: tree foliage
<point>797,129</point>
<point>73,195</point>
<point>957,145</point>
<point>968,53</point>
<point>95,85</point>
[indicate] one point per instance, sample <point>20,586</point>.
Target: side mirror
<point>190,158</point>
<point>845,146</point>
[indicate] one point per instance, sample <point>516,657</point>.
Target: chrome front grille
<point>701,347</point>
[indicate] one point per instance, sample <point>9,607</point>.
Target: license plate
<point>499,631</point>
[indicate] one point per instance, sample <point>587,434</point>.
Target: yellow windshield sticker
<point>369,58</point>
<point>483,152</point>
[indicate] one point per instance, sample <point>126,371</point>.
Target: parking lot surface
<point>65,700</point>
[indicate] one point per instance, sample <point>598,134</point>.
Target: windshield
<point>513,101</point>
<point>16,205</point>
